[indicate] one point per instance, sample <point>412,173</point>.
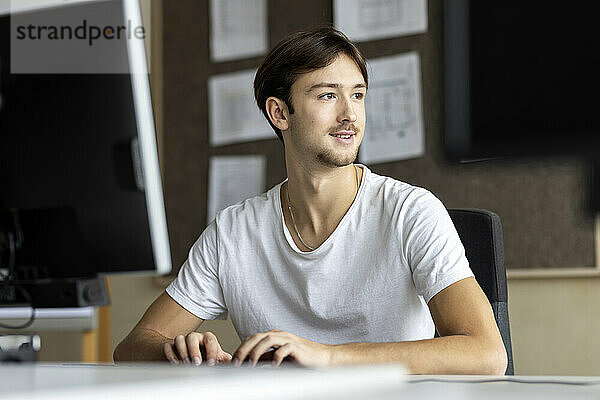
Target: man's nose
<point>347,113</point>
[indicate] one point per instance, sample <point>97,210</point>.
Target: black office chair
<point>481,234</point>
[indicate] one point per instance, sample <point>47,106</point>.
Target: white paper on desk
<point>394,129</point>
<point>363,20</point>
<point>232,179</point>
<point>233,113</point>
<point>238,29</point>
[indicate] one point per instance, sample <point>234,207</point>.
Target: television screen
<point>521,78</point>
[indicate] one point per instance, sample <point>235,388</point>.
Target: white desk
<point>163,381</point>
<point>381,382</point>
<point>501,387</point>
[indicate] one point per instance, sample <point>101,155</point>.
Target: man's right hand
<point>188,349</point>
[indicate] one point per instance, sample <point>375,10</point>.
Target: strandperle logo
<point>84,31</point>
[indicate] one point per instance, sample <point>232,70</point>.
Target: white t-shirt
<point>370,281</point>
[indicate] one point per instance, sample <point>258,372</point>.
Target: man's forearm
<point>142,345</point>
<point>458,354</point>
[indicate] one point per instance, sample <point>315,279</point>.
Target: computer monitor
<point>79,175</point>
<point>521,79</point>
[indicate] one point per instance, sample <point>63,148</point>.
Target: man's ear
<point>278,112</point>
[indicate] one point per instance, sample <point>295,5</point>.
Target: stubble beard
<point>326,156</point>
<point>329,158</point>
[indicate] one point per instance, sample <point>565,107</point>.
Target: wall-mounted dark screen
<point>521,78</point>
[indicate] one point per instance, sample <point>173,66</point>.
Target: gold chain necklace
<point>292,214</point>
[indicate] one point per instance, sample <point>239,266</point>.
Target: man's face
<point>329,113</point>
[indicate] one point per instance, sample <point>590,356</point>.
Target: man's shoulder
<point>260,206</point>
<point>399,190</point>
<point>402,202</point>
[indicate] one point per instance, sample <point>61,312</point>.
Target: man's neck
<point>320,196</point>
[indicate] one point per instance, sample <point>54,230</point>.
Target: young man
<point>336,264</point>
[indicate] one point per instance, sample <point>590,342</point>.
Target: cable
<point>515,380</point>
<point>11,276</point>
<point>31,319</point>
<point>18,229</point>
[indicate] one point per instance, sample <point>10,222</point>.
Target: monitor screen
<point>78,157</point>
<point>521,78</point>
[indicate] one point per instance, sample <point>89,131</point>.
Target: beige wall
<point>131,295</point>
<point>555,326</point>
<point>555,322</point>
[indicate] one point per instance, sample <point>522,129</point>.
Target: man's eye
<point>327,96</point>
<point>359,96</point>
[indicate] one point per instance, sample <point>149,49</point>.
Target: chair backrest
<point>481,234</point>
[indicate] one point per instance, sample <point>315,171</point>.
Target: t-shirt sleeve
<point>197,287</point>
<point>432,248</point>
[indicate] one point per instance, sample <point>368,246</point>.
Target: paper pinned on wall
<point>233,113</point>
<point>232,179</point>
<point>238,29</point>
<point>363,20</point>
<point>394,129</point>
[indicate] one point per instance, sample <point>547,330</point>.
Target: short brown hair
<point>299,53</point>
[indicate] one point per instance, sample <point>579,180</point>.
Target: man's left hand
<point>302,351</point>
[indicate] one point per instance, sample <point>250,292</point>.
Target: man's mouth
<point>344,137</point>
<point>343,134</point>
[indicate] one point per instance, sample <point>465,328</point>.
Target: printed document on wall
<point>233,113</point>
<point>394,129</point>
<point>363,20</point>
<point>232,179</point>
<point>238,29</point>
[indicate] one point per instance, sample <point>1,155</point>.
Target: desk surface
<point>78,319</point>
<point>502,387</point>
<point>47,381</point>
